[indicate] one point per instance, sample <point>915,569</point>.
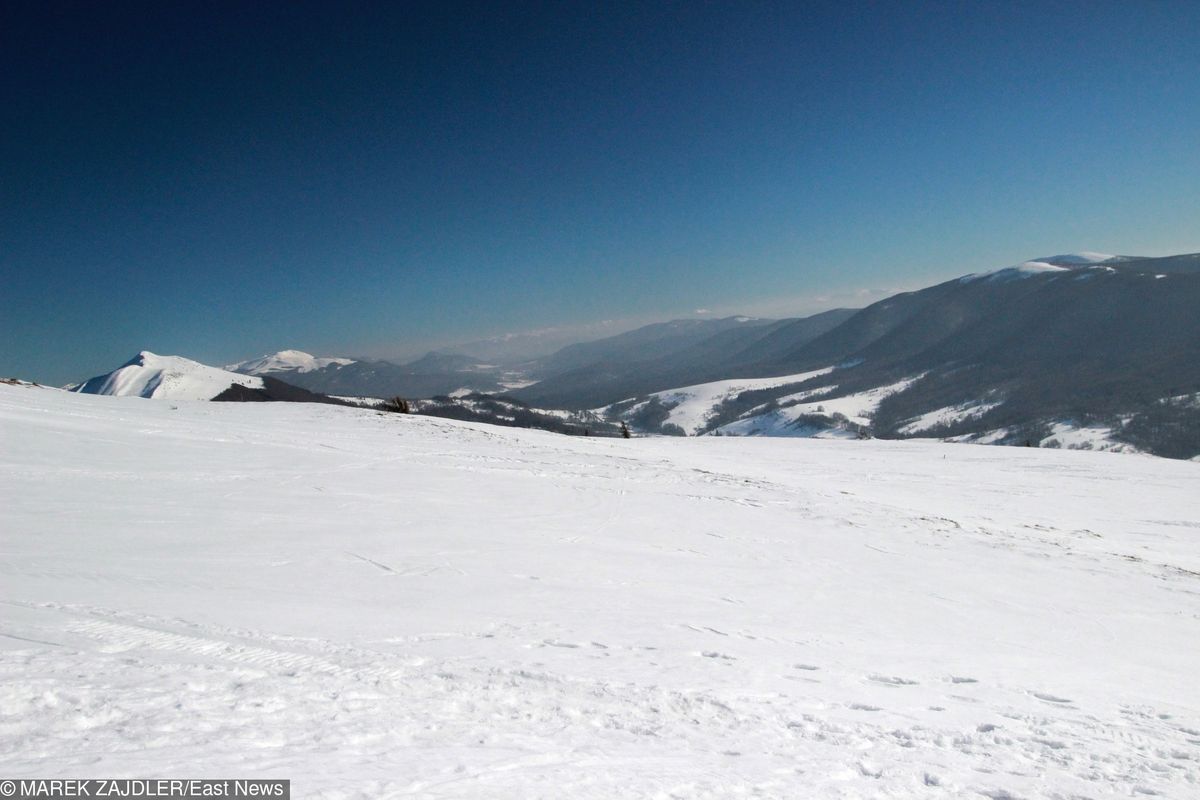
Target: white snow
<point>1193,399</point>
<point>285,361</point>
<point>1035,267</point>
<point>358,401</point>
<point>384,605</point>
<point>947,415</point>
<point>781,423</point>
<point>994,436</point>
<point>1042,265</point>
<point>1073,436</point>
<point>857,407</point>
<point>807,393</point>
<point>786,421</point>
<point>1023,270</point>
<point>693,406</point>
<point>167,378</point>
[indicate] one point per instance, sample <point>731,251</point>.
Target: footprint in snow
<point>1049,698</point>
<point>999,794</point>
<point>891,680</point>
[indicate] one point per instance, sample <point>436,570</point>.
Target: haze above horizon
<point>225,180</point>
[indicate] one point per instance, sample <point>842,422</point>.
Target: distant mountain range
<point>629,365</point>
<point>1084,350</point>
<point>434,374</point>
<point>158,377</point>
<point>1081,349</point>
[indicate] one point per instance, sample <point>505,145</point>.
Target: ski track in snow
<point>379,605</point>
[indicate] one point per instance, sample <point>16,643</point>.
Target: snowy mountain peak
<point>141,358</point>
<point>165,377</point>
<point>1060,263</point>
<point>1083,257</point>
<point>1022,270</point>
<point>285,361</point>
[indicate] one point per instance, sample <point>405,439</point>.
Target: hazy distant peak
<point>1082,258</point>
<point>285,361</point>
<point>1022,270</point>
<point>1060,263</point>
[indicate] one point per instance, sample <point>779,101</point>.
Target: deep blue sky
<point>221,180</point>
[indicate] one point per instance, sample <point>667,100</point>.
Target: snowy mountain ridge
<point>158,377</point>
<point>1036,266</point>
<point>285,361</point>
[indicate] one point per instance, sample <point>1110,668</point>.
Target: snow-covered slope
<point>1060,263</point>
<point>166,378</point>
<point>396,606</point>
<point>691,407</point>
<point>947,415</point>
<point>1021,270</point>
<point>285,361</point>
<point>789,420</point>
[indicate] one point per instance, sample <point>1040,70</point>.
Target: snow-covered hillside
<point>789,420</point>
<point>390,605</point>
<point>166,378</point>
<point>285,361</point>
<point>691,407</point>
<point>1060,263</point>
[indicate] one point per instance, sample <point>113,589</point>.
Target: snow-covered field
<point>398,606</point>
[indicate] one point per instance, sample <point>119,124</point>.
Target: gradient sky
<point>220,180</point>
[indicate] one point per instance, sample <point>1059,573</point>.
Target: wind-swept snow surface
<point>390,605</point>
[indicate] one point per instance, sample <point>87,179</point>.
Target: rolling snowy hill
<point>382,605</point>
